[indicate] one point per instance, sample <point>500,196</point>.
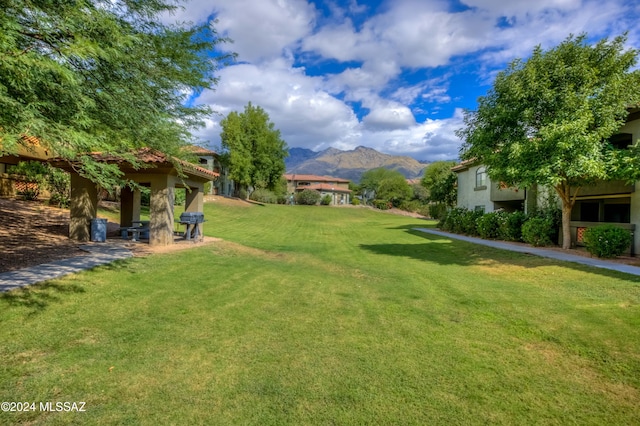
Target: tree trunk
<point>564,191</point>
<point>566,225</point>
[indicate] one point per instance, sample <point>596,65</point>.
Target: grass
<point>308,315</point>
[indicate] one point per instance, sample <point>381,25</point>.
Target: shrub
<point>264,196</point>
<point>452,222</point>
<point>511,226</point>
<point>242,193</point>
<point>424,210</point>
<point>469,223</point>
<point>326,200</point>
<point>179,197</point>
<point>382,204</point>
<point>550,212</point>
<point>607,240</point>
<point>538,231</point>
<point>59,184</point>
<point>308,197</point>
<point>410,205</point>
<point>355,201</point>
<point>437,211</point>
<point>488,225</point>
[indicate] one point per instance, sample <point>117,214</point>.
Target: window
<point>479,209</point>
<point>621,140</point>
<point>481,178</point>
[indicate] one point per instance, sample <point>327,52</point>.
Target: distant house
<point>337,188</point>
<point>210,160</point>
<point>615,202</point>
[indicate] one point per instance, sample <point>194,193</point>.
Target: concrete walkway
<point>552,254</point>
<point>99,254</point>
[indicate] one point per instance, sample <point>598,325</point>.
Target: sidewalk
<point>99,254</point>
<point>552,254</point>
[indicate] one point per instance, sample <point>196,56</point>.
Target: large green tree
<point>547,120</point>
<point>85,76</point>
<point>385,184</point>
<point>254,149</point>
<point>441,182</point>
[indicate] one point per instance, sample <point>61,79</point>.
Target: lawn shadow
<point>447,251</point>
<point>39,296</point>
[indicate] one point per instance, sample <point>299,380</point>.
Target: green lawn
<point>320,315</point>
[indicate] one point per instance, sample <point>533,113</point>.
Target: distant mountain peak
<point>349,164</point>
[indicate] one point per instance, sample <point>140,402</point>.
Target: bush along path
<point>552,254</point>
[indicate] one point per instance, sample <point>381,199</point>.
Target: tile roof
<point>151,156</point>
<point>315,178</point>
<point>324,187</point>
<point>199,150</point>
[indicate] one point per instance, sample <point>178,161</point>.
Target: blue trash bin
<point>99,230</point>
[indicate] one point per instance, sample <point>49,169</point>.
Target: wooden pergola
<point>160,175</point>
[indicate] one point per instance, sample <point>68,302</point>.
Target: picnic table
<point>138,229</point>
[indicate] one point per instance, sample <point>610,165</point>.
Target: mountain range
<point>349,164</point>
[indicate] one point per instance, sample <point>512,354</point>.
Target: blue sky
<point>393,75</point>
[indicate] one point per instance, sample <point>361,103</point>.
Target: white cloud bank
<point>279,41</point>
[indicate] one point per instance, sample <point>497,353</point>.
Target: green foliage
<point>547,120</point>
<point>308,197</point>
<point>264,196</point>
<point>488,225</point>
<point>59,185</point>
<point>56,181</point>
<point>93,76</point>
<point>420,193</point>
<point>355,201</point>
<point>326,200</point>
<point>441,182</point>
<point>34,172</point>
<point>470,222</point>
<point>607,240</point>
<point>538,231</point>
<point>256,152</point>
<point>510,227</point>
<point>437,211</point>
<point>382,204</point>
<point>179,197</point>
<point>411,205</point>
<point>396,190</point>
<point>388,185</point>
<point>549,212</point>
<point>450,220</point>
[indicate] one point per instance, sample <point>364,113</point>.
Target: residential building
<point>337,188</point>
<point>210,160</point>
<point>615,202</point>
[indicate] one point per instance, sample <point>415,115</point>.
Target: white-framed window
<point>481,177</point>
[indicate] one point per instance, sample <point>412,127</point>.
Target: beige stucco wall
<point>468,195</point>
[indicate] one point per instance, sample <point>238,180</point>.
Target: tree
<point>441,182</point>
<point>254,148</point>
<point>547,120</point>
<point>87,76</point>
<point>388,185</point>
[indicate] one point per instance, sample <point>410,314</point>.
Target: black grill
<point>190,218</point>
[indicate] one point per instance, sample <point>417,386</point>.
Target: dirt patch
<point>32,233</point>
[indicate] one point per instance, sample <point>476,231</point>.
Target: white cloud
<point>431,140</point>
<point>273,37</point>
<point>306,115</point>
<point>260,30</point>
<point>388,116</point>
